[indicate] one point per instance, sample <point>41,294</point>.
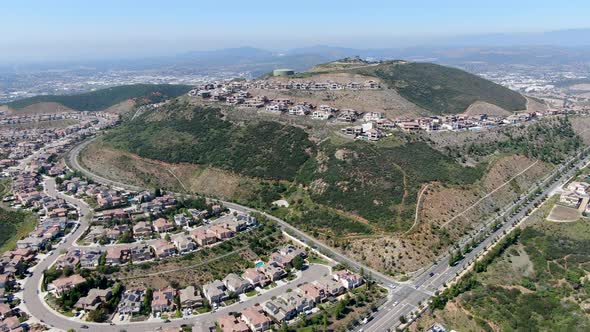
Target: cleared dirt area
<point>436,229</point>
<point>561,213</point>
<point>341,78</point>
<point>481,107</point>
<point>384,100</point>
<point>129,168</point>
<point>534,105</point>
<point>123,107</point>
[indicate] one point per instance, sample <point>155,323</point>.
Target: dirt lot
<point>385,100</point>
<point>480,107</point>
<point>561,213</point>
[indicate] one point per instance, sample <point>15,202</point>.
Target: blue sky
<point>53,29</point>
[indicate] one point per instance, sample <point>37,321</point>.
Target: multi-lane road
<point>438,275</point>
<point>403,299</point>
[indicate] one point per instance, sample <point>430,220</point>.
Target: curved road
<point>37,307</point>
<point>403,298</point>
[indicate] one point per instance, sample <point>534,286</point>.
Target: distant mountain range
<point>534,49</point>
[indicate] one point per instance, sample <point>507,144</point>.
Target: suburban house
<point>230,323</point>
<point>142,230</point>
<point>64,284</point>
<point>189,298</point>
<point>214,291</point>
<point>181,220</point>
<point>202,237</point>
<point>131,301</point>
<point>163,300</point>
<point>163,248</point>
<point>141,253</point>
<point>184,243</point>
<point>290,250</point>
<point>117,255</point>
<point>273,271</point>
<point>255,318</point>
<point>220,232</point>
<point>281,260</point>
<point>330,286</point>
<point>279,309</point>
<point>312,292</point>
<point>348,279</point>
<point>236,284</point>
<point>162,225</point>
<point>255,277</point>
<point>89,258</point>
<point>94,298</point>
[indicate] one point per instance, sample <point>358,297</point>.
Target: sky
<point>59,29</point>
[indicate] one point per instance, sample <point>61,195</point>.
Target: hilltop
<point>434,88</point>
<point>100,99</point>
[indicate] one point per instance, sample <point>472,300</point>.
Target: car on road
<point>167,321</point>
<point>395,303</point>
<point>431,274</point>
<point>84,326</point>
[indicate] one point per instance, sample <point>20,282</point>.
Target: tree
<point>298,262</point>
<point>146,305</point>
<point>99,315</point>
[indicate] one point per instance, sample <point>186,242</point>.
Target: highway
<point>403,299</point>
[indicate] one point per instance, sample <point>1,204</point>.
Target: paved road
<point>434,278</point>
<point>37,308</point>
<point>72,160</point>
<point>404,298</point>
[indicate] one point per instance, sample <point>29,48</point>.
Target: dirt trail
<point>416,215</point>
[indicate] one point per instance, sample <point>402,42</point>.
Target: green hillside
<point>440,89</point>
<point>378,182</point>
<point>199,135</point>
<point>101,99</point>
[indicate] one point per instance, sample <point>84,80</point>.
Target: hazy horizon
<point>66,30</point>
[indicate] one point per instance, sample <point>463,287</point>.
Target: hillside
<point>435,88</point>
<point>102,99</point>
<point>537,283</point>
<point>357,195</point>
<point>199,135</point>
